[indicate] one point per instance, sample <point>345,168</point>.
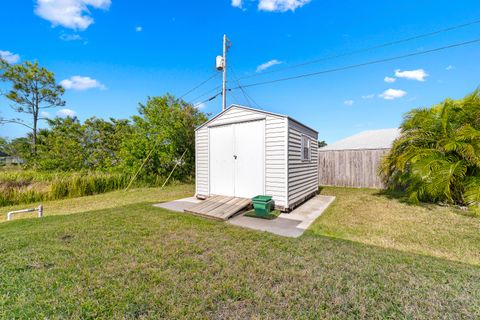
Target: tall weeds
<point>19,186</point>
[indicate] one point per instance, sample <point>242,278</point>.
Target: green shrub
<point>437,156</point>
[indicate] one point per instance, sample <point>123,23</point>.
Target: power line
<point>206,93</point>
<point>240,86</point>
<point>235,98</point>
<point>198,85</point>
<point>360,64</point>
<point>207,100</point>
<point>248,98</point>
<point>383,45</point>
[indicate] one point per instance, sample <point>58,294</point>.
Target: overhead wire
<point>248,98</point>
<point>198,85</point>
<point>240,86</point>
<point>235,98</point>
<point>383,45</point>
<point>206,93</point>
<point>372,62</point>
<point>207,100</point>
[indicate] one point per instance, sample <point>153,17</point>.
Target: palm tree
<point>437,156</point>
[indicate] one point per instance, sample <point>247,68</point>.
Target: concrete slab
<point>309,211</point>
<point>280,226</point>
<point>291,224</point>
<point>179,205</point>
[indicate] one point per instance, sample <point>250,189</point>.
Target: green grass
<point>271,216</point>
<point>373,218</point>
<point>128,259</point>
<point>104,201</point>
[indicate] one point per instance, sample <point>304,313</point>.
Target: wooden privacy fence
<point>350,168</point>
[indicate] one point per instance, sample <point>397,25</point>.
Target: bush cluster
<point>437,156</point>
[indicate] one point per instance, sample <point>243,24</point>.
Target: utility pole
<point>222,66</point>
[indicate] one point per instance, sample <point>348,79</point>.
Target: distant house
<point>3,157</point>
<point>8,160</point>
<point>354,161</point>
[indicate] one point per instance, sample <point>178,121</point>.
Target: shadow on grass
<point>402,197</point>
<point>135,215</point>
<point>404,253</point>
<point>394,195</point>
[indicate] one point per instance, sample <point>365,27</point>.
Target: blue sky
<point>113,54</point>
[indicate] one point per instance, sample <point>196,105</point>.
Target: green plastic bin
<point>262,205</point>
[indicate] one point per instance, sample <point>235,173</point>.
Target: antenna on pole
<point>221,64</point>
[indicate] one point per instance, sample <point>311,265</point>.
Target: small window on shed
<point>306,152</point>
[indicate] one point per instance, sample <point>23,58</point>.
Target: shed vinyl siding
<point>351,168</point>
<point>201,161</point>
<point>236,115</point>
<point>275,150</point>
<point>302,175</point>
<point>275,159</point>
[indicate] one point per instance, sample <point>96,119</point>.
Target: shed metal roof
<point>256,110</point>
<point>371,139</point>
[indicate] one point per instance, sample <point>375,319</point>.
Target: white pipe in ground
<point>39,210</point>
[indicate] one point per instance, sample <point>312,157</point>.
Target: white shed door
<point>237,158</point>
<point>221,161</point>
<point>249,162</point>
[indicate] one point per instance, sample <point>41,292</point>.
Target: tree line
<point>436,158</point>
<point>163,131</point>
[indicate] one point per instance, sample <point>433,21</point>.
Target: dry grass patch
<point>370,217</point>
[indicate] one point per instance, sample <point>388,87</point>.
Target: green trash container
<point>263,205</point>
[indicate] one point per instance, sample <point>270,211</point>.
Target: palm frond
<point>472,191</point>
<point>438,152</point>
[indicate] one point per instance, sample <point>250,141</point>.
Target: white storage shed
<point>244,152</point>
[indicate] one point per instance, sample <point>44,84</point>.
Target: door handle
<point>235,156</point>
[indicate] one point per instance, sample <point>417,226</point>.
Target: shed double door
<point>237,159</point>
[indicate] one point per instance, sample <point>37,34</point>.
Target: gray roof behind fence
<point>371,139</point>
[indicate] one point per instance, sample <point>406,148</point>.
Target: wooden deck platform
<point>219,207</point>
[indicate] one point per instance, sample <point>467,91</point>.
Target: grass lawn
<point>104,201</point>
<point>370,217</point>
<point>128,259</point>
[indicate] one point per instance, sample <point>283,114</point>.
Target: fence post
<point>40,211</point>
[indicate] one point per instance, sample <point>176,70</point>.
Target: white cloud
<point>44,114</point>
<point>268,64</point>
<point>392,94</point>
<point>368,96</point>
<point>348,102</point>
<point>418,74</point>
<point>237,3</point>
<point>70,37</point>
<point>9,56</point>
<point>389,80</point>
<point>200,105</point>
<point>80,83</point>
<point>139,29</point>
<point>281,5</point>
<point>72,14</point>
<point>66,113</point>
<point>450,67</point>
